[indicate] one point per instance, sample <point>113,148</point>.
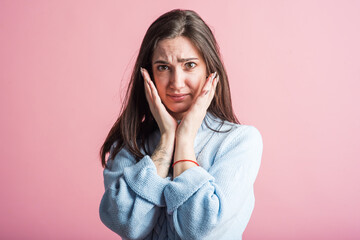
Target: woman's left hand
<point>192,120</point>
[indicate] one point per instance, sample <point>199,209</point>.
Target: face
<point>179,72</point>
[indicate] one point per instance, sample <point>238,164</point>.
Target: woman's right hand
<point>167,124</point>
<point>162,155</point>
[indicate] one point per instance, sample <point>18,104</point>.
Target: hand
<point>189,126</point>
<point>192,120</point>
<point>163,153</point>
<point>167,124</point>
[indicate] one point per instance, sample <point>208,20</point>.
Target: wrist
<point>181,166</point>
<point>185,160</point>
<point>184,150</point>
<point>167,141</point>
<point>167,137</point>
<point>185,140</point>
<point>162,155</point>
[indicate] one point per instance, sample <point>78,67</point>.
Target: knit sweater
<point>211,201</point>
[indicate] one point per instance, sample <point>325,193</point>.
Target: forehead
<point>176,48</point>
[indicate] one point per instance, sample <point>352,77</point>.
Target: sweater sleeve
<point>202,201</point>
<point>133,196</point>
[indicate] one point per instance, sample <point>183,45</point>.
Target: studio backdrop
<point>294,71</point>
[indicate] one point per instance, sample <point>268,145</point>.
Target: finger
<point>208,84</point>
<point>147,87</point>
<point>147,91</point>
<point>209,95</point>
<point>213,89</point>
<point>150,83</point>
<point>156,102</point>
<point>153,90</point>
<point>214,84</point>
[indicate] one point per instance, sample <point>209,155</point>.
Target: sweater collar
<point>209,121</point>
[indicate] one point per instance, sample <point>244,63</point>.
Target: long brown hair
<point>135,123</point>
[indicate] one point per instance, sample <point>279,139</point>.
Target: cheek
<point>160,86</point>
<point>197,84</point>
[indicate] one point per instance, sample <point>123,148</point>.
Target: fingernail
<point>142,71</point>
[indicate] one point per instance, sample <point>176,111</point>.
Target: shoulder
<point>236,146</point>
<point>119,157</point>
<point>242,145</point>
<point>233,137</point>
<point>241,136</point>
<point>242,132</point>
<point>234,131</point>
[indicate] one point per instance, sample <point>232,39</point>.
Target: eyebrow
<point>179,60</point>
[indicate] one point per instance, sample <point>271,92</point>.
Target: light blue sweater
<point>213,201</point>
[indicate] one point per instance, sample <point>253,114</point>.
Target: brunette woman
<point>180,165</point>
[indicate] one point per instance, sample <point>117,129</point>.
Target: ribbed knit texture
<point>212,201</point>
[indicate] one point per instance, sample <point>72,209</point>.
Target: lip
<point>177,97</point>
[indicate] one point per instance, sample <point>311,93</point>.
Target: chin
<point>178,111</point>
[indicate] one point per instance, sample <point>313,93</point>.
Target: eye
<point>162,68</point>
<point>190,65</point>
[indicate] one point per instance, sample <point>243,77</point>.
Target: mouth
<point>177,97</point>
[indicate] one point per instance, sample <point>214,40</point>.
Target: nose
<point>177,80</point>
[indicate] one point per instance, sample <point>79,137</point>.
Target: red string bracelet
<point>185,160</point>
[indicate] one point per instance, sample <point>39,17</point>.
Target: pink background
<point>294,70</point>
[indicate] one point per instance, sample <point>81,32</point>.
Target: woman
<point>180,165</point>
